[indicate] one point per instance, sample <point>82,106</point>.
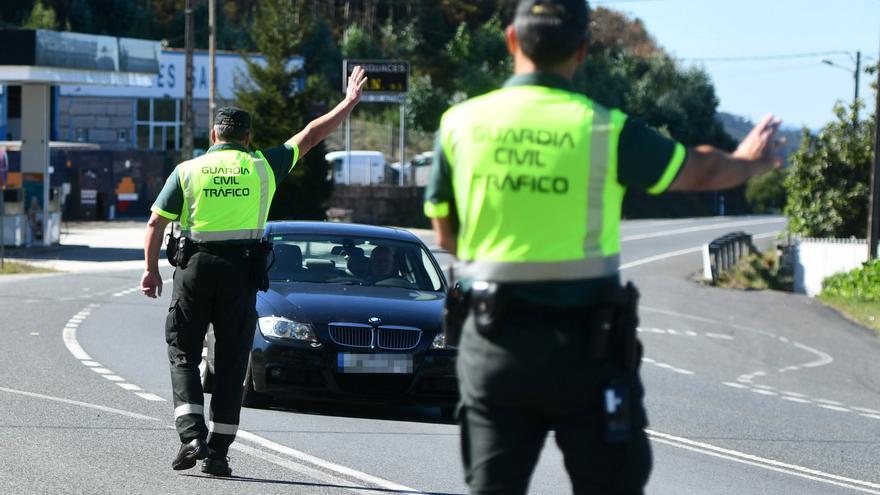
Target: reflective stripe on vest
<point>226,196</point>
<point>534,173</point>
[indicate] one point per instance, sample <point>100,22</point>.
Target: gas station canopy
<point>51,57</point>
<point>38,59</point>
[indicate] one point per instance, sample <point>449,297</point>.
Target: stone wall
<point>379,205</point>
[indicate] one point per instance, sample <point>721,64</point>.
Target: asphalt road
<point>748,392</point>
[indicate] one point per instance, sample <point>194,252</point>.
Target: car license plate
<point>374,363</point>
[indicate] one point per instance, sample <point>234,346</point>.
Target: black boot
<point>217,466</point>
<point>189,453</point>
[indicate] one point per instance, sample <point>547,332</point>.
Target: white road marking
<point>317,461</point>
<point>763,392</point>
<point>795,399</point>
<point>69,336</point>
<point>829,402</point>
<point>872,416</point>
<point>793,394</point>
<point>721,336</point>
<point>35,334</point>
<point>78,403</point>
<point>677,314</point>
<point>102,371</point>
<point>761,462</point>
<point>866,410</point>
<point>764,387</point>
<point>734,385</point>
<point>651,259</point>
<point>91,363</point>
<point>824,358</point>
<point>834,408</point>
<point>651,330</point>
<point>149,396</point>
<point>683,372</point>
<point>698,228</point>
<point>114,378</point>
<point>129,386</point>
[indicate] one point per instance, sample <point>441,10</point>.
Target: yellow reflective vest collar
<point>230,217</point>
<point>502,239</point>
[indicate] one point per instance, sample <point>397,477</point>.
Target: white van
<point>366,167</point>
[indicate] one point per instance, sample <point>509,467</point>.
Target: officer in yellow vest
<point>222,200</point>
<point>527,187</point>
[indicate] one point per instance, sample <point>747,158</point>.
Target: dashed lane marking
<point>735,385</point>
<point>866,410</point>
<point>834,408</point>
<point>795,399</point>
<point>872,416</point>
<point>829,402</point>
<point>114,378</point>
<point>129,386</point>
<point>149,396</point>
<point>763,392</point>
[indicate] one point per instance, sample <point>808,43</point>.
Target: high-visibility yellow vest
<point>534,174</point>
<point>226,196</point>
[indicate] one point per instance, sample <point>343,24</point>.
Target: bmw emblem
<point>374,321</point>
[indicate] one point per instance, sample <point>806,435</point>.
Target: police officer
<point>527,187</point>
<point>222,200</point>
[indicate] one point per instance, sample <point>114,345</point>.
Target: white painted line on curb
<point>761,462</point>
<point>78,403</point>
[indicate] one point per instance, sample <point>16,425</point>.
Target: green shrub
<point>862,283</point>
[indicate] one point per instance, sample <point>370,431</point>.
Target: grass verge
<point>14,268</point>
<point>866,313</point>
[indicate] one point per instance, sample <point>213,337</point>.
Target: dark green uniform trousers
<point>215,287</point>
<point>527,380</point>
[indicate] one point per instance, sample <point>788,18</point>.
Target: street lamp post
<point>856,73</point>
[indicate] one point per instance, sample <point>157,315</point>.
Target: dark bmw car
<point>353,313</point>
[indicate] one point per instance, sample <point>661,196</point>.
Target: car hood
<point>320,304</point>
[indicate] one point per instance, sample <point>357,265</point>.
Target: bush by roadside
<point>759,271</point>
<point>856,294</point>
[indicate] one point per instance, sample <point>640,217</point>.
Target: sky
<point>801,91</point>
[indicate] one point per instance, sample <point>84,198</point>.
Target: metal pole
<point>187,99</point>
<point>402,144</point>
<point>874,211</point>
<point>856,76</point>
<point>212,54</point>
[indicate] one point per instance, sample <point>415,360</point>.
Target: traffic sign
<point>384,77</point>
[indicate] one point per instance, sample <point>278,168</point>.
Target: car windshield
<point>355,261</point>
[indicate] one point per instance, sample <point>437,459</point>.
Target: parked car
<point>353,313</point>
<point>356,167</point>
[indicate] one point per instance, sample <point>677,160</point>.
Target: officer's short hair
<point>232,124</point>
<point>551,31</point>
<point>231,133</point>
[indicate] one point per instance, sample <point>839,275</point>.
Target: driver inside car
<point>382,264</point>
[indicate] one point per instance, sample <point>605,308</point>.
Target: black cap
<point>233,117</point>
<point>568,13</point>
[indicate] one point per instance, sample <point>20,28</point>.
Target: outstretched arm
<point>320,128</point>
<point>708,168</point>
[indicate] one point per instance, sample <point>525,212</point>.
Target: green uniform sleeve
<point>169,204</point>
<point>439,199</point>
<point>648,160</point>
<point>281,159</point>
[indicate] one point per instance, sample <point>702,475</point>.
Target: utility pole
<point>856,76</point>
<point>212,54</point>
<point>187,99</point>
<point>874,204</point>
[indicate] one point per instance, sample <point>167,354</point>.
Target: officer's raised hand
<point>320,128</point>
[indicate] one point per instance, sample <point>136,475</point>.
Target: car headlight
<point>440,342</point>
<point>282,328</point>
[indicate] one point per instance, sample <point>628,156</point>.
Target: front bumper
<point>297,370</point>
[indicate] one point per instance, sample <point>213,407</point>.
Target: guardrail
<point>723,253</point>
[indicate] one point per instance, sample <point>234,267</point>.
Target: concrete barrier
<point>817,259</point>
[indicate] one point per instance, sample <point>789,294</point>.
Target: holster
<point>488,304</point>
<point>178,250</point>
<point>454,313</point>
<point>624,336</point>
<point>262,260</point>
<point>171,248</point>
